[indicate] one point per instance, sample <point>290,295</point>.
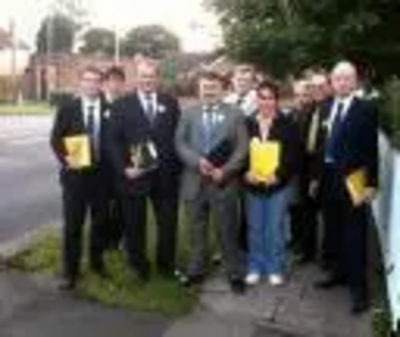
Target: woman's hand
<point>251,178</point>
<point>270,180</point>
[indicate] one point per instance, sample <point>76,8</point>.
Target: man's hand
<point>217,175</point>
<point>313,189</point>
<point>71,163</point>
<point>368,196</point>
<point>132,173</point>
<point>205,167</point>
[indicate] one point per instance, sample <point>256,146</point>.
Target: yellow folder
<point>78,150</point>
<point>264,158</point>
<point>356,183</point>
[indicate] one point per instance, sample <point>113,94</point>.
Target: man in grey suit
<point>212,143</point>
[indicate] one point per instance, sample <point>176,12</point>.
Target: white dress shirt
<point>248,102</point>
<point>96,106</point>
<point>346,102</point>
<point>144,100</point>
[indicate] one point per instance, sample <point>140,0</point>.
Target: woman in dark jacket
<point>268,196</point>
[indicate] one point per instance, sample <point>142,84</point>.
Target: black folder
<point>220,154</point>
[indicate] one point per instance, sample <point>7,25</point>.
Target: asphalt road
<point>29,192</point>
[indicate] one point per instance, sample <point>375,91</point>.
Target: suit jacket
<point>69,121</point>
<point>189,142</point>
<point>357,144</point>
<point>131,126</point>
<point>285,132</point>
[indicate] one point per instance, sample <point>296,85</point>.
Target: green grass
<point>25,109</point>
<point>121,289</point>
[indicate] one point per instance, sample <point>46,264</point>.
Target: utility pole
<point>117,45</point>
<point>13,42</point>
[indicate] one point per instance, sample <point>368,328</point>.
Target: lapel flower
<point>161,109</point>
<point>107,114</point>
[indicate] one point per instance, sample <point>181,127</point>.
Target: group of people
<point>145,149</point>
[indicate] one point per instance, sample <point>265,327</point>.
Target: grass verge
<point>120,290</point>
<point>25,109</point>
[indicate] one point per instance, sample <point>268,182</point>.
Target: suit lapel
<point>219,132</point>
<point>79,116</point>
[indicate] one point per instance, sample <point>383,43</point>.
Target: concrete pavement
<point>31,306</point>
<point>29,193</point>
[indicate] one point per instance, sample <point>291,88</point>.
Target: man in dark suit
<point>148,115</point>
<point>351,146</point>
<point>212,142</point>
<point>82,185</point>
<point>303,228</point>
<point>113,89</point>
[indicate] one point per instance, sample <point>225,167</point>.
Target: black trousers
<point>304,223</point>
<point>83,194</point>
<point>346,232</point>
<point>114,222</point>
<point>163,195</point>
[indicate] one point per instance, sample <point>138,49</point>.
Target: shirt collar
<point>86,103</point>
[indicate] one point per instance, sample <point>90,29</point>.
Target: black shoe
<point>216,260</point>
<point>67,284</point>
<point>329,283</point>
<point>238,286</point>
<point>189,281</point>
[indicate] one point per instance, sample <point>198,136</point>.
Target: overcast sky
<point>187,18</point>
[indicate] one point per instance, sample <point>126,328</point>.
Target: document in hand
<point>78,150</point>
<point>221,153</point>
<point>264,157</point>
<point>144,156</point>
<point>356,183</point>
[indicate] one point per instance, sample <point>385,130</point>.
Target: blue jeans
<point>267,232</point>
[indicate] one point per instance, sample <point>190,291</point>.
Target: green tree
<point>98,41</point>
<point>150,40</point>
<point>56,35</point>
<point>286,35</point>
<point>59,28</point>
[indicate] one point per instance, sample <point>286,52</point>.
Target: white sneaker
<point>276,280</point>
<point>252,279</point>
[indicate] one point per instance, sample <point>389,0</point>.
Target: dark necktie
<point>91,129</point>
<point>334,133</point>
<point>240,101</point>
<point>208,128</point>
<point>150,111</point>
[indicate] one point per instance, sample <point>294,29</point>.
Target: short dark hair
<point>268,85</point>
<point>115,72</point>
<point>212,75</point>
<point>92,70</point>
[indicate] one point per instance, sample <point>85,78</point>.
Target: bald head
<point>344,79</point>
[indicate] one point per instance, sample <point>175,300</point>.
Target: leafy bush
<point>390,116</point>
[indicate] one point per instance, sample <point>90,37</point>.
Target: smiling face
<point>211,89</point>
<point>90,83</point>
<point>147,77</point>
<point>344,79</point>
<point>320,87</point>
<point>302,95</point>
<point>243,79</point>
<point>267,102</point>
